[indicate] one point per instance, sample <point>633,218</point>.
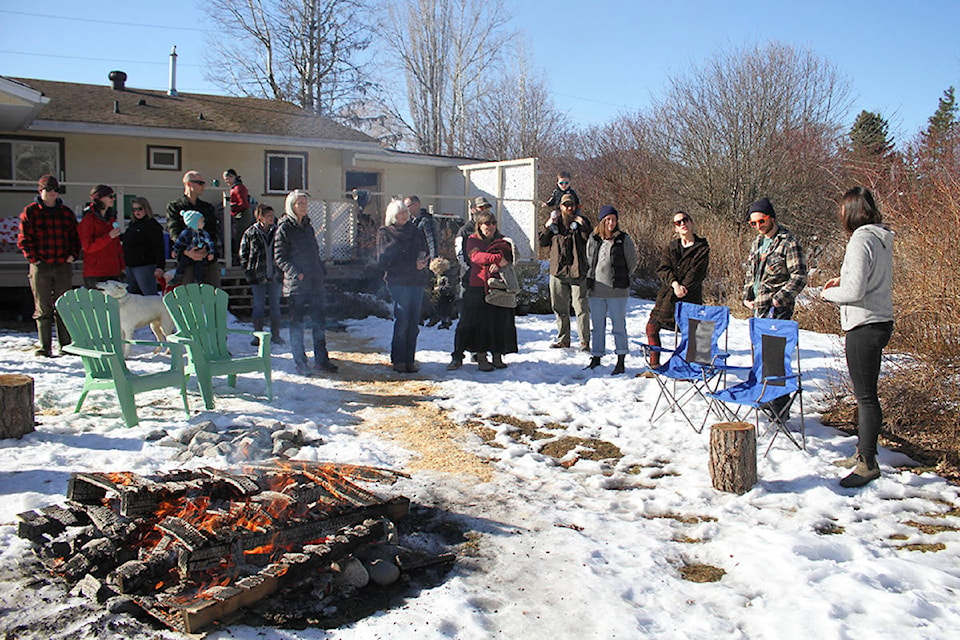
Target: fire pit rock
<point>237,442</point>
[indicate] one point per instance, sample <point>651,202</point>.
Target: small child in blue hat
<point>193,237</point>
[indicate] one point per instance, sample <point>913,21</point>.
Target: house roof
<point>71,102</point>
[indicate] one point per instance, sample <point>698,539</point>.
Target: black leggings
<point>864,346</point>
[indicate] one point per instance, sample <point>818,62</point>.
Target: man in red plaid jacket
<point>50,243</point>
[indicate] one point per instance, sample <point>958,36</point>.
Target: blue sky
<point>599,58</point>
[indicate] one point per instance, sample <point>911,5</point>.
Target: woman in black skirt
<point>486,327</point>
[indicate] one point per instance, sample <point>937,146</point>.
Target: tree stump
<point>16,405</point>
<point>733,456</point>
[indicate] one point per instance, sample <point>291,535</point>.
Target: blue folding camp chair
<point>771,386</point>
<point>697,361</point>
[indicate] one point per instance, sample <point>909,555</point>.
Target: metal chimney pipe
<point>172,91</point>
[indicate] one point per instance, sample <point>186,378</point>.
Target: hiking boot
<point>498,362</point>
<point>594,363</point>
<point>411,367</point>
<point>584,347</point>
<point>559,345</point>
<point>866,471</point>
<point>483,364</point>
<point>399,367</point>
<point>304,370</point>
<point>646,374</point>
<point>326,365</point>
<point>620,366</point>
<point>42,352</point>
<point>455,363</point>
<point>846,463</point>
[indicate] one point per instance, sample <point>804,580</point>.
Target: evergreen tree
<point>869,136</point>
<point>943,123</point>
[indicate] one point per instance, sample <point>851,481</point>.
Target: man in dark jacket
<point>566,233</point>
<point>49,241</point>
<point>193,186</point>
<point>424,221</point>
<point>297,254</point>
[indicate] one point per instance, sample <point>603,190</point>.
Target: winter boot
<point>257,326</point>
<point>866,471</point>
<point>275,337</point>
<point>482,363</point>
<point>594,363</point>
<point>45,334</point>
<point>619,368</point>
<point>498,362</point>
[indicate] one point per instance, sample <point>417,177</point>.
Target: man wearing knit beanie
<point>776,273</point>
<point>776,269</point>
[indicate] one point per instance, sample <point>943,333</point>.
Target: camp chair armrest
<point>736,369</point>
<point>154,343</point>
<point>778,379</point>
<point>653,347</point>
<point>87,353</point>
<point>176,338</point>
<point>245,332</point>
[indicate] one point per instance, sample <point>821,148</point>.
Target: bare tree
<point>446,50</point>
<point>303,51</point>
<point>516,117</point>
<point>754,123</point>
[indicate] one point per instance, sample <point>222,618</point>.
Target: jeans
<point>864,347</point>
<point>407,302</point>
<point>141,280</point>
<point>301,306</point>
<point>562,293</point>
<point>262,292</point>
<point>616,308</point>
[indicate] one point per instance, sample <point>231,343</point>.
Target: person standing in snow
<point>864,291</point>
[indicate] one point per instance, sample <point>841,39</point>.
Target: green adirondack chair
<point>199,312</point>
<point>93,320</point>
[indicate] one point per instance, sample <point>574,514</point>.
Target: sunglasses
<point>200,182</point>
<point>136,208</point>
<point>681,221</point>
<point>760,221</point>
<point>49,188</point>
<point>564,182</point>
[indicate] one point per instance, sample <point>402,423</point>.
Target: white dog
<point>138,311</point>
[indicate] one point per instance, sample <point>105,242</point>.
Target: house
<point>141,141</point>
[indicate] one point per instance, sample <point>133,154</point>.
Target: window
<point>23,160</point>
<point>163,158</point>
<point>286,171</point>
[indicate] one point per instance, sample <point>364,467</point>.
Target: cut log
<point>16,405</point>
<point>733,456</point>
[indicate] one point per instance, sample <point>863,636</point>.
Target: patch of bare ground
<point>401,407</point>
<point>701,573</point>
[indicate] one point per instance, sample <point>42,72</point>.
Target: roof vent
<point>117,80</point>
<point>141,102</point>
<point>116,106</point>
<point>200,117</point>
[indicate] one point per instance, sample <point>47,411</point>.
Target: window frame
<point>153,165</point>
<point>303,156</point>
<point>30,184</point>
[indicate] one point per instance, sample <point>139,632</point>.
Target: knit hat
<point>763,206</point>
<point>100,192</point>
<point>607,210</point>
<point>48,180</point>
<point>568,198</point>
<point>480,201</point>
<point>192,219</point>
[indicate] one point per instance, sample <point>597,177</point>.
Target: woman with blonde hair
<point>143,249</point>
<point>402,254</point>
<point>297,254</point>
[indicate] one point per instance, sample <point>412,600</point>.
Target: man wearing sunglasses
<point>776,269</point>
<point>193,186</point>
<point>50,242</point>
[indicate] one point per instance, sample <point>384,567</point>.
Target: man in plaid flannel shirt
<point>776,270</point>
<point>50,243</point>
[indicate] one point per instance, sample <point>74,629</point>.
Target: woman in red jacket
<point>100,238</point>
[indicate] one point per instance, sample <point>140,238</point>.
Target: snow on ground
<point>591,551</point>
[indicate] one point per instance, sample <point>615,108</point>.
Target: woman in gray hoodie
<point>864,293</point>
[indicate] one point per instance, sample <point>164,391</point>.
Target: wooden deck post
<point>733,456</point>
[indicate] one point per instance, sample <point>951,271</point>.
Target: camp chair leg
<point>205,382</point>
<point>268,379</point>
<point>232,380</point>
<point>183,394</point>
<point>128,406</point>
